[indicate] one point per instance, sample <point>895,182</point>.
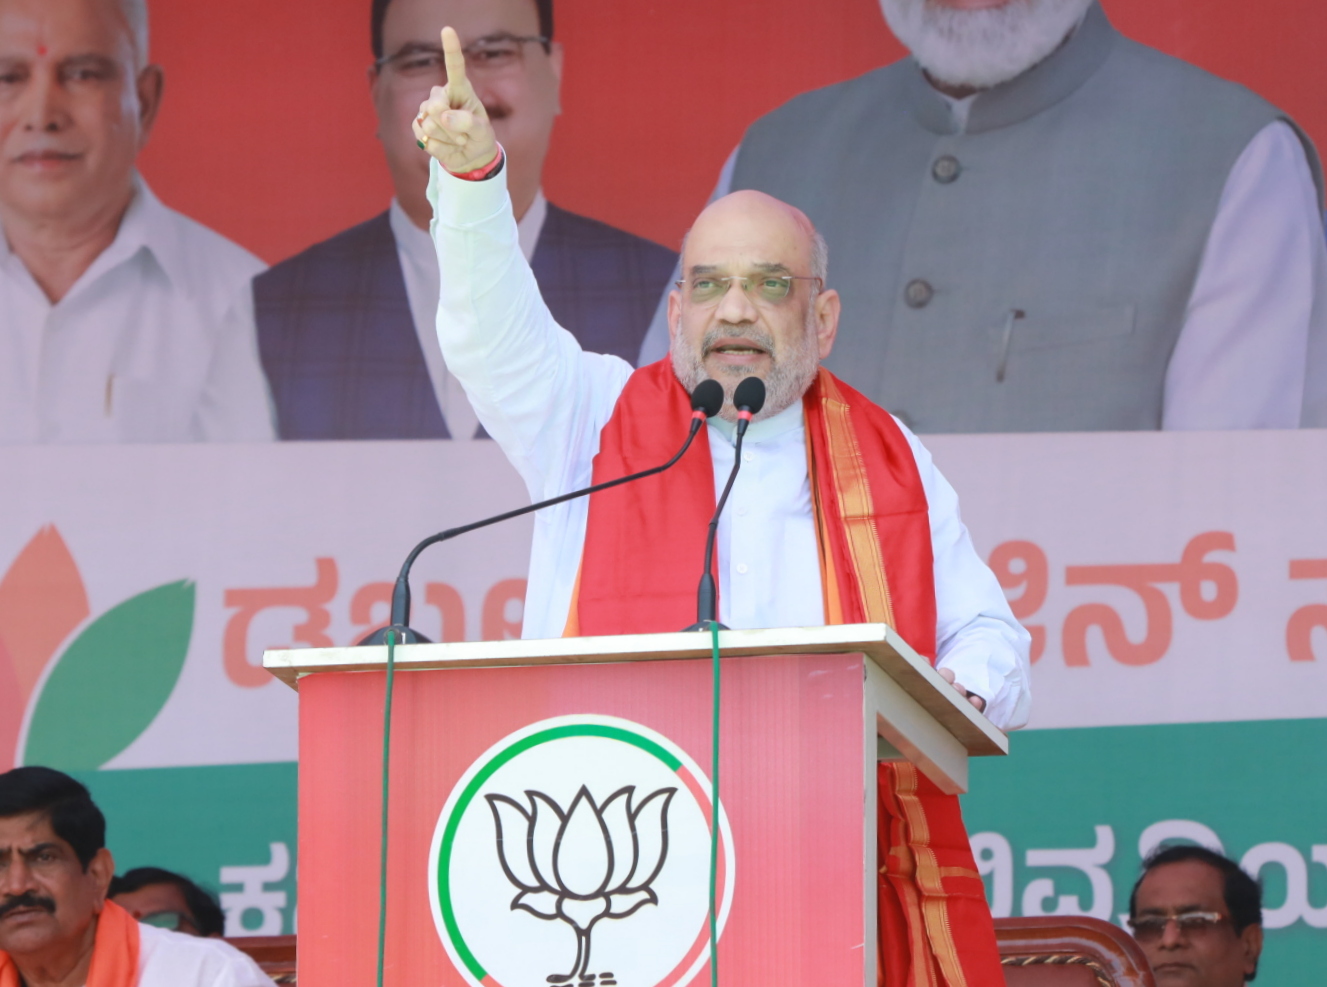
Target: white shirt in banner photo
<point>155,342</point>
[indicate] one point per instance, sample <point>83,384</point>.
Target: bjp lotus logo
<point>584,864</point>
<point>610,888</point>
<point>76,690</point>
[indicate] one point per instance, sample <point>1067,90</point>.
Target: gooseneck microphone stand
<point>706,402</point>
<point>748,399</point>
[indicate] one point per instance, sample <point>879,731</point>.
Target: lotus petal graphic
<point>586,863</point>
<point>63,694</point>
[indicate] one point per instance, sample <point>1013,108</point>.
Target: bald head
<point>749,220</point>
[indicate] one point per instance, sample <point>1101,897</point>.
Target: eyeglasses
<point>769,289</point>
<point>1149,928</point>
<point>493,55</point>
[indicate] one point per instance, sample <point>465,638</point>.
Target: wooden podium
<point>550,805</point>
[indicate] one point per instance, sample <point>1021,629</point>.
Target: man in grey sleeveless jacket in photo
<point>1040,225</point>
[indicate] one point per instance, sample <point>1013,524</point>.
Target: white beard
<point>982,48</point>
<point>791,373</point>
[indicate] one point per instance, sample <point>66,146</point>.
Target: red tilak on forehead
<point>41,49</point>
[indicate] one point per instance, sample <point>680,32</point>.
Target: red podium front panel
<point>550,824</point>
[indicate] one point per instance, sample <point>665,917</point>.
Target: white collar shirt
<point>155,342</point>
<point>767,532</point>
<point>419,268</point>
<point>544,400</point>
<point>173,959</point>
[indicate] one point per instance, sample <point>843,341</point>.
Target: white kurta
<point>544,400</point>
<point>154,343</point>
<point>173,959</point>
<point>1243,358</point>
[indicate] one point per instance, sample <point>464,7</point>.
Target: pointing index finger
<point>458,86</point>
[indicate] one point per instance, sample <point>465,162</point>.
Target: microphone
<point>706,402</point>
<point>748,399</point>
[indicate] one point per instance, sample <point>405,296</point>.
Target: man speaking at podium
<point>838,514</point>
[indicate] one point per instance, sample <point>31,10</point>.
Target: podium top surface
<point>878,642</point>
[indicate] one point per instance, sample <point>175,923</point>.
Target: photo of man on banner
<point>346,327</point>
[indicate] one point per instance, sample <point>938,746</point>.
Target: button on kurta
<point>946,169</point>
<point>918,293</point>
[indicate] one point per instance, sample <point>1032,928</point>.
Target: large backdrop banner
<point>654,98</point>
<point>1175,586</point>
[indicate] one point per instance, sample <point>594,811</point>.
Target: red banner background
<point>267,132</point>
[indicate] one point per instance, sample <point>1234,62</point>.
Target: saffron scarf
<point>644,544</point>
<point>114,952</point>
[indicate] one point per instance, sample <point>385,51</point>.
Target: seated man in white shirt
<point>57,927</point>
<point>839,515</point>
<point>123,321</point>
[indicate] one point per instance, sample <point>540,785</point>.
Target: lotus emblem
<point>583,864</point>
<point>575,852</point>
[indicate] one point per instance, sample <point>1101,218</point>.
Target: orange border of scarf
<point>114,952</point>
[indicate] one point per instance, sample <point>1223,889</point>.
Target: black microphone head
<point>750,395</point>
<point>707,397</point>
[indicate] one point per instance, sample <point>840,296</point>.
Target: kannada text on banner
<point>1192,544</point>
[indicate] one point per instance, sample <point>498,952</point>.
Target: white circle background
<point>517,948</point>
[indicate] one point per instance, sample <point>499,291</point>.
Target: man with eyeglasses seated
<point>346,327</point>
<point>1198,917</point>
<point>57,926</point>
<point>838,515</point>
<point>168,900</point>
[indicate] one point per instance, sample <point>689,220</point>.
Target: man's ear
<point>378,91</point>
<point>555,63</point>
<point>827,306</point>
<point>149,85</point>
<point>101,868</point>
<point>674,316</point>
<point>1251,940</point>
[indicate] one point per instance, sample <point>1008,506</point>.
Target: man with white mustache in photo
<point>838,515</point>
<point>121,320</point>
<point>1041,225</point>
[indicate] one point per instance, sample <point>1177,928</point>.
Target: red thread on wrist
<point>479,174</point>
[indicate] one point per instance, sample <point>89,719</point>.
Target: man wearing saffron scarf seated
<point>57,928</point>
<point>838,514</point>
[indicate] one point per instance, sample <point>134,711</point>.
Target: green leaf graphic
<point>112,681</point>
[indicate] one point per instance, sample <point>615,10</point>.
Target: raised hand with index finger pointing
<point>453,125</point>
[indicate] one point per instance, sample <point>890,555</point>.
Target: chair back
<point>1069,951</point>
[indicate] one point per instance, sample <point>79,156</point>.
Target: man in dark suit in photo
<point>345,328</point>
